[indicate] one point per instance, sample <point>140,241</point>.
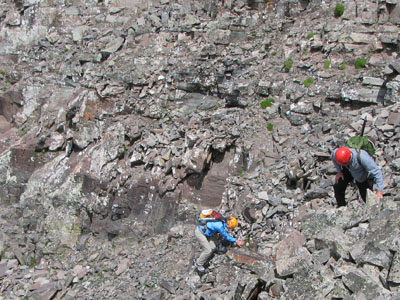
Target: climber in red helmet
<point>360,167</point>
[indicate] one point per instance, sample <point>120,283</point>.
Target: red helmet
<point>342,155</point>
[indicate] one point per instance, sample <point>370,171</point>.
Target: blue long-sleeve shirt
<point>367,169</point>
<point>214,227</point>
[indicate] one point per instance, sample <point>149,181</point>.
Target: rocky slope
<point>120,120</point>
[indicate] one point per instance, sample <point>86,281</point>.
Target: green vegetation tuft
<point>308,82</point>
<point>310,35</point>
<point>32,262</point>
<point>327,64</point>
<point>267,103</point>
<point>339,10</point>
<point>288,64</point>
<point>342,66</point>
<point>270,126</point>
<point>101,275</point>
<point>360,63</point>
<point>4,76</point>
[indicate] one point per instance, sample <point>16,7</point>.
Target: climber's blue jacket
<point>212,228</point>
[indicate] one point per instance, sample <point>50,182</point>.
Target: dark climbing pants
<point>340,187</point>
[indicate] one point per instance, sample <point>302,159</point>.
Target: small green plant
<point>22,131</point>
<point>3,255</point>
<point>339,10</point>
<point>360,63</point>
<point>308,82</point>
<point>4,76</point>
<point>32,262</point>
<point>310,36</point>
<point>270,126</point>
<point>267,103</point>
<point>101,275</point>
<point>288,64</point>
<point>327,64</point>
<point>342,66</point>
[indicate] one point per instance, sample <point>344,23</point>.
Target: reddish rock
<point>288,246</point>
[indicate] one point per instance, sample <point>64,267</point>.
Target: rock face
<point>120,120</point>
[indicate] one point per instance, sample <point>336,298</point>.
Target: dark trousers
<point>340,187</point>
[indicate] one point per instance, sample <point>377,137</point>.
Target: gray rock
<point>394,269</point>
<point>368,253</point>
<point>322,255</point>
<point>396,164</point>
<point>316,192</point>
<point>395,65</point>
<point>357,281</point>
